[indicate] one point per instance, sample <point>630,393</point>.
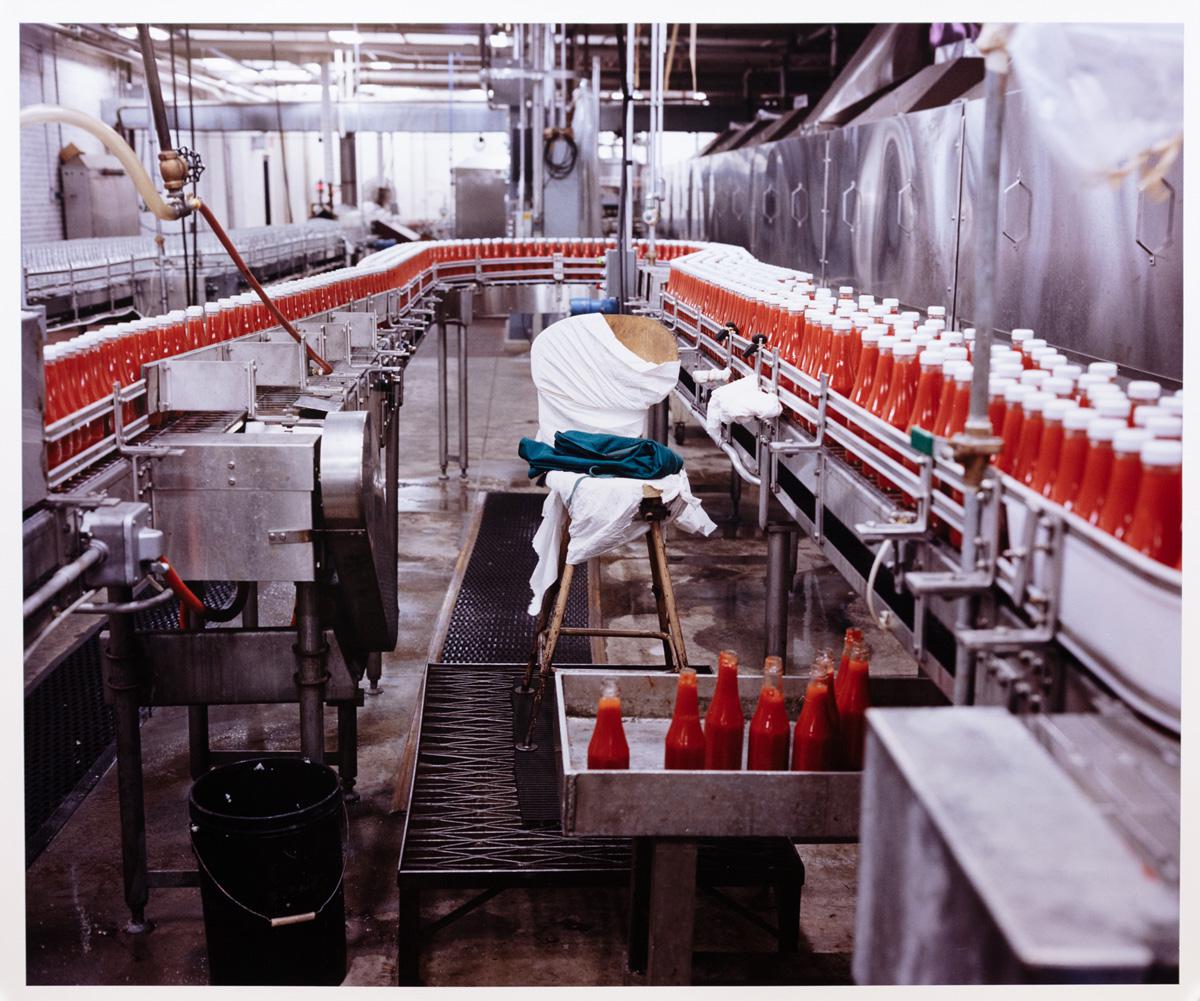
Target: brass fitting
<point>973,448</point>
<point>174,169</point>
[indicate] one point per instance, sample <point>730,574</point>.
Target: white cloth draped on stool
<point>587,380</point>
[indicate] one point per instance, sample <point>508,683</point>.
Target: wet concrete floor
<point>75,913</point>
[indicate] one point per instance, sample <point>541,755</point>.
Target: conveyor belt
<point>69,729</point>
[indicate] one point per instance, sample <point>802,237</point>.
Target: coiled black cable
<point>558,169</point>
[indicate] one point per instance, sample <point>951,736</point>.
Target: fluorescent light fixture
<point>500,40</point>
<point>381,66</point>
<point>637,95</point>
<point>345,37</point>
<point>286,74</point>
<point>130,31</point>
<point>615,96</point>
<point>699,95</point>
<point>452,41</point>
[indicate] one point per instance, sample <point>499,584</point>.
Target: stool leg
<point>548,600</point>
<point>556,621</point>
<point>660,602</point>
<point>664,576</point>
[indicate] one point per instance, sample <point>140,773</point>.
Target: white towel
<point>737,400</point>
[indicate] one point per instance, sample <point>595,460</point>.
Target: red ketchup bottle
<point>1097,467</point>
<point>724,723</point>
<point>853,636</point>
<point>841,380</point>
<point>684,746</point>
<point>1045,467</point>
<point>945,407</point>
<point>769,727</point>
<point>897,410</point>
<point>960,408</point>
<point>1158,511</point>
<point>1117,513</point>
<point>881,386</point>
<point>868,359</point>
<point>814,747</point>
<point>854,698</point>
<point>1025,457</point>
<point>1071,457</point>
<point>608,747</point>
<point>929,390</point>
<point>996,405</point>
<point>1014,417</point>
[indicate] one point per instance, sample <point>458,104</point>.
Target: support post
<point>443,411</point>
<point>311,678</point>
<point>463,401</point>
<point>198,756</point>
<point>122,682</point>
<point>779,540</point>
<point>347,727</point>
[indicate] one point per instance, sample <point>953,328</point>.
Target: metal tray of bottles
<point>648,801</point>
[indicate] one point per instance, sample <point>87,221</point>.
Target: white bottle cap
<point>845,290</point>
<point>1161,452</point>
<point>925,328</point>
<point>932,359</point>
<point>1009,370</point>
<point>1078,419</point>
<point>1104,428</point>
<point>1056,409</point>
<point>1051,360</point>
<point>866,301</point>
<point>1017,393</point>
<point>1107,369</point>
<point>905,349</point>
<point>1032,343</point>
<point>842,323</point>
<point>950,366</point>
<point>871,335</point>
<point>212,307</point>
<point>891,304</point>
<point>1021,334</point>
<point>937,322</point>
<point>1173,405</point>
<point>955,352</point>
<point>887,342</point>
<point>952,336</point>
<point>1034,402</point>
<point>1130,439</point>
<point>878,311</point>
<point>911,316</point>
<point>965,372</point>
<point>1067,371</point>
<point>1165,427</point>
<point>194,311</point>
<point>1145,412</point>
<point>878,329</point>
<point>1112,406</point>
<point>935,311</point>
<point>1143,389</point>
<point>1057,386</point>
<point>1034,377</point>
<point>997,385</point>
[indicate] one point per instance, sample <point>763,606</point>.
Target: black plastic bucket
<point>267,834</point>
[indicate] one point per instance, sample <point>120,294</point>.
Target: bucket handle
<point>286,919</point>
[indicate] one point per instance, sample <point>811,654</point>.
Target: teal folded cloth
<point>600,455</point>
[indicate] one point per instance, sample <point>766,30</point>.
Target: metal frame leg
<point>120,658</point>
<point>347,729</point>
<point>311,677</point>
<point>672,911</point>
<point>198,747</point>
<point>659,557</point>
<point>735,494</point>
<point>443,406</point>
<point>775,627</point>
<point>463,401</point>
<point>374,671</point>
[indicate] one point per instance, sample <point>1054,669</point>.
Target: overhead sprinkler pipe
<point>154,88</point>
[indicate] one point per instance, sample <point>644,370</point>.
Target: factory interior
<point>531,504</point>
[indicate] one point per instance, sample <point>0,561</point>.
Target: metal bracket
<point>288,537</point>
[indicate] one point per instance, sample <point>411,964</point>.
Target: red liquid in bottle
<point>854,698</point>
<point>945,406</point>
<point>840,379</point>
<point>960,406</point>
<point>882,383</point>
<point>1097,468</point>
<point>868,359</point>
<point>1155,531</point>
<point>1071,457</point>
<point>608,747</point>
<point>1117,513</point>
<point>1045,468</point>
<point>1030,441</point>
<point>1014,417</point>
<point>724,723</point>
<point>929,390</point>
<point>769,727</point>
<point>814,747</point>
<point>684,747</point>
<point>905,374</point>
<point>853,637</point>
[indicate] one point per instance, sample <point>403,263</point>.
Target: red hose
<point>186,596</point>
<point>221,235</point>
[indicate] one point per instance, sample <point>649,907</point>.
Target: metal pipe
<point>64,577</point>
<point>144,604</point>
<point>310,653</point>
<point>988,219</point>
<point>775,627</point>
<point>964,658</point>
<point>626,241</point>
<point>327,128</point>
<point>443,407</point>
<point>463,400</point>
<point>122,681</point>
<point>154,87</point>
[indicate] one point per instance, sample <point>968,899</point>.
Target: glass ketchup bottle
<point>929,390</point>
<point>814,746</point>
<point>905,375</point>
<point>724,723</point>
<point>881,385</point>
<point>854,698</point>
<point>1072,455</point>
<point>1014,417</point>
<point>770,729</point>
<point>1097,467</point>
<point>1045,466</point>
<point>853,637</point>
<point>1117,513</point>
<point>841,379</point>
<point>960,407</point>
<point>608,747</point>
<point>1158,511</point>
<point>868,358</point>
<point>684,745</point>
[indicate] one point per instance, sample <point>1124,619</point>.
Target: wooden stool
<point>554,607</point>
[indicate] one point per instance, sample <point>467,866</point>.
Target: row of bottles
<point>81,371</point>
<point>1057,419</point>
<point>572,249</point>
<point>829,732</point>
